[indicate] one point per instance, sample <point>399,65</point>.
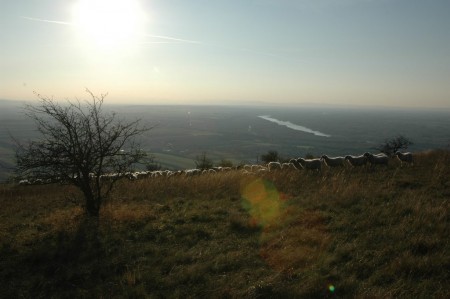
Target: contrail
<point>174,39</point>
<point>179,40</point>
<point>48,21</point>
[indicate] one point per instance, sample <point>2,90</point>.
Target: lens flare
<point>331,288</point>
<point>292,238</point>
<point>262,201</point>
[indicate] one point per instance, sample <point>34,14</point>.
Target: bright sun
<point>109,24</point>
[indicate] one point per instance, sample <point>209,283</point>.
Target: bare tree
<point>225,163</point>
<point>203,162</point>
<point>82,145</point>
<point>271,156</point>
<point>393,145</point>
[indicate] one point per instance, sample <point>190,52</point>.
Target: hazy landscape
<point>239,134</point>
<point>204,204</point>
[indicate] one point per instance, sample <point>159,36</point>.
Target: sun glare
<point>109,24</point>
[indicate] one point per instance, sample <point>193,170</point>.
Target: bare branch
<point>79,144</point>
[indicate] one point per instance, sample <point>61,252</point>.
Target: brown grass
<point>362,232</point>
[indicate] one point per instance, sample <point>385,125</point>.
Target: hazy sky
<point>365,52</point>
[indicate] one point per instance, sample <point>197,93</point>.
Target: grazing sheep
<point>255,168</point>
<point>247,167</point>
<point>262,170</point>
<point>356,160</point>
<point>142,174</point>
<point>171,174</point>
<point>312,164</point>
<point>333,162</point>
<point>405,157</point>
<point>274,166</point>
<point>167,173</point>
<point>192,172</point>
<point>177,173</point>
<point>156,173</point>
<point>109,176</point>
<point>209,171</point>
<point>132,176</point>
<point>24,182</point>
<point>288,166</point>
<point>379,159</point>
<point>296,164</point>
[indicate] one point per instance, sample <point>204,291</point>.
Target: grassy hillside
<point>371,233</point>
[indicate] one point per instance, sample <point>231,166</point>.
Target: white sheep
<point>176,173</point>
<point>405,157</point>
<point>334,161</point>
<point>109,176</point>
<point>167,173</point>
<point>296,164</point>
<point>312,164</point>
<point>192,172</point>
<point>156,173</point>
<point>288,166</point>
<point>247,167</point>
<point>356,160</point>
<point>132,176</point>
<point>378,159</point>
<point>24,182</point>
<point>142,174</point>
<point>274,166</point>
<point>255,168</point>
<point>208,171</point>
<point>262,170</point>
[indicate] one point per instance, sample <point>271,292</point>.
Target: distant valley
<point>240,134</point>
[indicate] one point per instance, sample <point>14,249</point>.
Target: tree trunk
<point>92,207</point>
<point>92,202</point>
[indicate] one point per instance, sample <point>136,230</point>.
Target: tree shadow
<point>60,264</point>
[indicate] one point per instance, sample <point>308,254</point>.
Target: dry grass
<point>363,232</point>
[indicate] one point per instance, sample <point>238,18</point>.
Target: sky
<point>281,52</point>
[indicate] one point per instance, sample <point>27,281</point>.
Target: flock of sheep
<point>354,161</point>
<point>294,164</point>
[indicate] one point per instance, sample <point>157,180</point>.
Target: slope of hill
<point>361,232</point>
